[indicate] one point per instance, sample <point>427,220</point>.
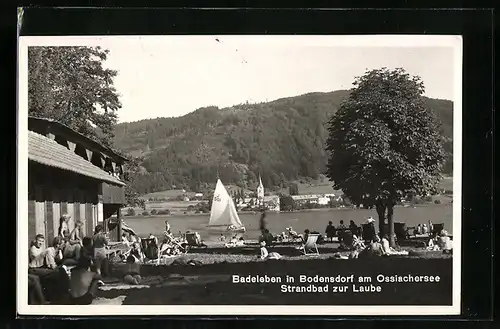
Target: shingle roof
<point>48,152</point>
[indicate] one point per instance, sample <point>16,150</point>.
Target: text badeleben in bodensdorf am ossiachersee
<point>334,284</point>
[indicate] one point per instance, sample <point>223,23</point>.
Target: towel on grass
<point>122,286</point>
<point>109,301</point>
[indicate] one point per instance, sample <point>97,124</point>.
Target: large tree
<point>384,144</point>
<point>71,85</point>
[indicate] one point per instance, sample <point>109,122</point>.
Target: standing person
<point>369,233</point>
<point>63,225</point>
<point>330,231</point>
<point>262,221</point>
<point>99,241</point>
<point>341,226</point>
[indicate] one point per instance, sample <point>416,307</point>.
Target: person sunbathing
<point>445,243</point>
<point>132,271</point>
<point>83,283</point>
<point>235,242</point>
<point>265,255</point>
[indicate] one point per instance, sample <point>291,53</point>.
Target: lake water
<point>277,222</point>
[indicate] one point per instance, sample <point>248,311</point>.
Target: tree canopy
<point>71,85</point>
<point>384,143</point>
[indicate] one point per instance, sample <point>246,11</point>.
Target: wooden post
<point>119,227</point>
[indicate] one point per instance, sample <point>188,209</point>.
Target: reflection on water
<point>277,222</point>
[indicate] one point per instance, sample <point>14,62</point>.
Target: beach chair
<point>310,248</point>
<point>193,240</point>
<point>437,228</point>
<point>368,231</point>
<point>150,249</point>
<point>400,231</point>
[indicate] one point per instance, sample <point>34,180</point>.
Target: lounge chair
<point>437,228</point>
<point>193,240</point>
<point>401,232</point>
<point>311,245</point>
<point>150,250</point>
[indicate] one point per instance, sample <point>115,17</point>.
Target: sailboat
<point>224,213</point>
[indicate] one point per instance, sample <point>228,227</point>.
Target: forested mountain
<point>283,140</point>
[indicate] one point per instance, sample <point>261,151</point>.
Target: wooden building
<point>70,173</point>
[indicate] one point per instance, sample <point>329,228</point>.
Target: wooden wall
<point>52,193</point>
<point>112,194</point>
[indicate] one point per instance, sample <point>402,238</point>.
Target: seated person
<point>264,254</point>
<point>132,271</point>
<point>53,254</point>
<point>267,237</point>
<point>373,249</point>
<point>235,242</point>
<point>125,238</point>
<point>386,249</point>
<point>37,253</point>
<point>35,291</point>
<point>222,237</point>
<point>445,243</point>
<point>71,246</point>
<point>42,261</point>
<point>306,235</point>
<point>136,252</point>
<point>83,283</point>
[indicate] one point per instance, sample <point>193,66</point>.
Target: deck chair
<point>437,228</point>
<point>193,240</point>
<point>368,231</point>
<point>150,250</point>
<point>401,231</point>
<point>310,248</point>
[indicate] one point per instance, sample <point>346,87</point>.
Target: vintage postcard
<point>239,175</point>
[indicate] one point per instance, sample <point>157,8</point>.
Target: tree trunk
<point>390,220</point>
<point>381,218</point>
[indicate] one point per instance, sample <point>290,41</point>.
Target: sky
<point>169,76</point>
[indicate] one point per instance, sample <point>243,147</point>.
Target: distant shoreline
<point>182,214</point>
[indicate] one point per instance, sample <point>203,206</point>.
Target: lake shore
<point>184,212</point>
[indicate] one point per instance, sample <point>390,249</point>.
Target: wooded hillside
<point>283,140</point>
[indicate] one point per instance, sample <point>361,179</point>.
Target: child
<point>132,271</point>
<point>83,283</point>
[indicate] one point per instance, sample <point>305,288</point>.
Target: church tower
<point>260,193</point>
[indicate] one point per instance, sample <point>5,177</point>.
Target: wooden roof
<point>44,125</point>
<point>48,152</point>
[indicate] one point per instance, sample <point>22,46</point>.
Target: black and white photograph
<point>239,175</point>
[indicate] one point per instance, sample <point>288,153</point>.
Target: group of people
<point>49,267</point>
<point>423,229</point>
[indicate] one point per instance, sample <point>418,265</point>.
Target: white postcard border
<point>454,41</point>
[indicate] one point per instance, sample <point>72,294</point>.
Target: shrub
<point>145,213</point>
<point>130,212</point>
<point>428,199</point>
<point>163,212</point>
<point>154,212</point>
<point>437,201</point>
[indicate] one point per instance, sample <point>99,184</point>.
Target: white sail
<point>223,211</point>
